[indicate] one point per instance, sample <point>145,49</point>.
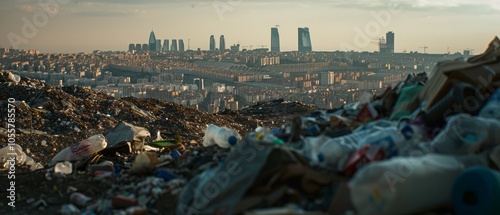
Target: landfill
<point>429,145</point>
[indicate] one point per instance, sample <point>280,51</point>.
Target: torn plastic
<point>466,134</point>
<point>392,186</point>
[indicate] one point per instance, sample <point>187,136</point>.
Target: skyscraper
<point>222,43</point>
<point>145,47</point>
<point>304,40</point>
<point>152,41</point>
<point>138,47</point>
<point>181,45</point>
<point>173,47</point>
<point>131,47</point>
<point>166,45</point>
<point>275,40</point>
<point>200,83</point>
<point>158,45</point>
<point>390,42</point>
<point>212,43</point>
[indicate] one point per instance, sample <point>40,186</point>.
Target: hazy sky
<point>87,25</point>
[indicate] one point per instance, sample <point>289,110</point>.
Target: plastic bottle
<point>492,109</point>
<point>408,185</point>
<point>80,199</point>
<point>335,152</point>
<point>266,135</point>
<point>81,150</point>
<point>64,168</point>
<point>331,152</point>
<point>21,158</point>
<point>222,136</point>
<point>466,134</point>
<point>477,191</point>
<point>389,139</point>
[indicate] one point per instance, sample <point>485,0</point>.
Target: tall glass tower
<point>222,43</point>
<point>181,45</point>
<point>212,43</point>
<point>152,41</point>
<point>390,42</point>
<point>158,45</point>
<point>166,45</point>
<point>174,45</point>
<point>304,40</point>
<point>275,40</point>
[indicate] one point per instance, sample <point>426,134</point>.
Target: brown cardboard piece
<point>479,71</point>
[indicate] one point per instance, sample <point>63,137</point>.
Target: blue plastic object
<point>321,157</point>
<point>232,140</point>
<point>118,168</point>
<point>166,175</point>
<point>175,154</point>
<point>471,137</point>
<point>477,191</point>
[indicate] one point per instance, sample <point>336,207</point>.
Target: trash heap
<point>277,112</point>
<point>50,118</point>
<point>427,145</point>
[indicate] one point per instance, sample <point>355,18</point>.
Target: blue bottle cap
<point>321,157</point>
<point>232,140</point>
<point>407,132</point>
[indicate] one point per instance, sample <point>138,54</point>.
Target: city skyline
<point>452,25</point>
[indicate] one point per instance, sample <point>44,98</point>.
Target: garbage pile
<point>427,145</point>
<point>277,112</point>
<point>50,118</point>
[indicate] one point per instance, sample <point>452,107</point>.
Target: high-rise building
<point>212,43</point>
<point>152,41</point>
<point>145,47</point>
<point>181,45</point>
<point>390,42</point>
<point>275,40</point>
<point>131,47</point>
<point>222,43</point>
<point>173,47</point>
<point>304,40</point>
<point>166,45</point>
<point>199,82</point>
<point>158,45</point>
<point>138,47</point>
<point>235,48</point>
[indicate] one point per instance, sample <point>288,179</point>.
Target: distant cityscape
<point>219,78</point>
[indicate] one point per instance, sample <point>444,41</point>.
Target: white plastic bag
<point>408,185</point>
